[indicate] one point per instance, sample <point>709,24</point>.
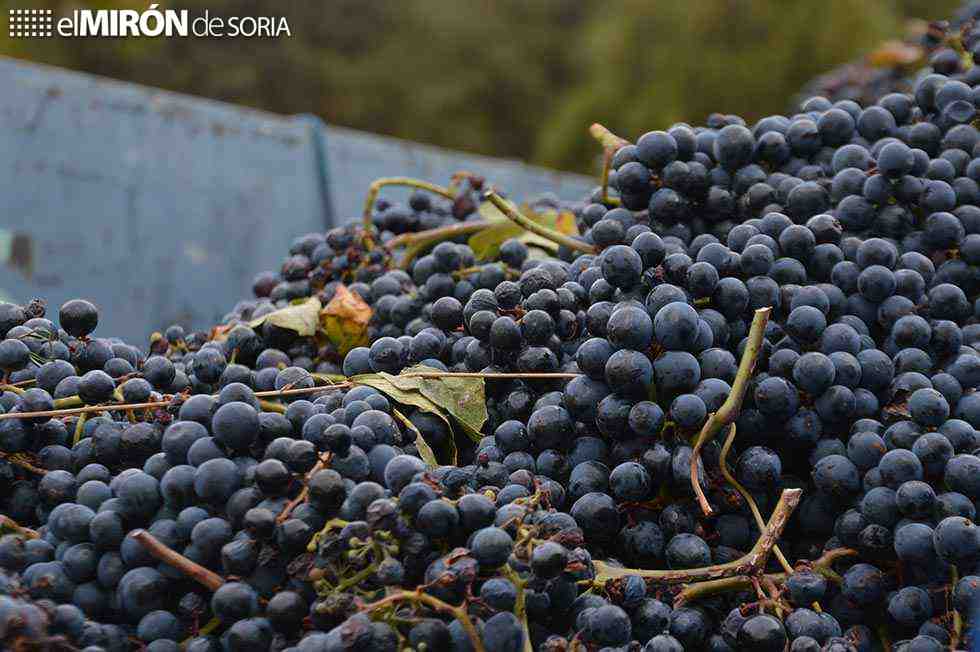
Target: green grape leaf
<point>537,253</point>
<point>425,451</point>
<point>491,213</point>
<point>408,391</point>
<point>486,243</point>
<point>464,398</point>
<point>398,391</point>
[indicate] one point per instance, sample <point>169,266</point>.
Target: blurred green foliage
<point>517,78</point>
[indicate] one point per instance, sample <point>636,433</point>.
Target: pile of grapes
<point>727,403</point>
<point>945,47</point>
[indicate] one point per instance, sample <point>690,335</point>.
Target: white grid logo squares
<point>30,23</point>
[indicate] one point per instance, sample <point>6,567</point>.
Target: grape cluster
<point>757,323</point>
<point>944,47</point>
<point>346,254</point>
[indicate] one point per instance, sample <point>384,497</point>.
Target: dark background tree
<point>512,78</point>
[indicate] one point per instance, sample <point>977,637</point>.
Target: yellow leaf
<point>345,320</point>
<point>565,223</point>
<point>302,318</point>
<point>220,333</point>
<point>895,53</point>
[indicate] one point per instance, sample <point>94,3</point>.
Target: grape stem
<point>292,504</point>
<point>416,243</point>
<point>751,564</point>
<point>68,402</point>
<point>356,578</point>
<point>299,391</point>
<point>161,551</point>
<point>17,460</point>
<point>508,271</point>
<point>441,233</point>
<point>520,606</point>
<point>19,384</point>
<point>209,627</point>
<point>607,138</point>
<point>957,632</point>
<point>417,596</point>
<point>57,643</point>
<point>501,375</point>
<point>7,523</point>
<point>753,507</point>
<point>272,406</point>
<point>79,429</point>
<point>528,224</point>
<point>604,197</point>
<point>65,412</point>
<point>329,379</point>
<point>332,524</point>
<point>822,565</point>
<point>378,184</point>
<point>265,405</point>
<point>476,181</point>
<point>729,410</point>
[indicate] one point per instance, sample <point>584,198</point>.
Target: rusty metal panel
<point>161,207</point>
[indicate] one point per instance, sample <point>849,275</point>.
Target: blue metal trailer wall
<point>161,207</point>
<point>356,158</point>
<point>158,207</point>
